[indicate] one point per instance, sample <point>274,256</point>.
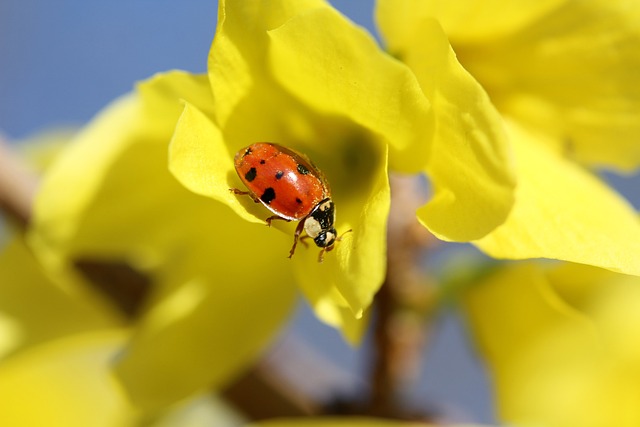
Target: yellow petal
<point>11,335</point>
<point>355,270</point>
<point>220,305</point>
<point>35,308</point>
<point>610,299</point>
<point>204,410</point>
<point>554,365</point>
<point>572,75</point>
<point>199,158</point>
<point>257,103</point>
<point>564,212</point>
<point>469,164</point>
<point>57,212</point>
<point>514,315</point>
<point>162,99</point>
<point>64,383</point>
<point>352,273</point>
<point>125,146</point>
<point>516,306</point>
<point>237,58</point>
<point>250,105</point>
<point>216,277</point>
<point>41,149</point>
<point>337,69</point>
<point>580,285</point>
<point>333,310</point>
<point>462,20</point>
<point>564,67</point>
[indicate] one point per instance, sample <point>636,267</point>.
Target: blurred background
<point>62,61</point>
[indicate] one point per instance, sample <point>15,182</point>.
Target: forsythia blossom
<point>299,74</point>
<point>563,75</point>
<point>560,342</point>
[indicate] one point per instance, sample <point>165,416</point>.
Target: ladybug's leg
<point>244,193</point>
<point>271,218</point>
<point>321,254</point>
<point>323,250</point>
<point>296,235</point>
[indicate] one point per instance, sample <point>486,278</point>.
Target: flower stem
<point>401,304</point>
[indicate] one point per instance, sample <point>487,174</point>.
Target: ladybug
<point>289,185</point>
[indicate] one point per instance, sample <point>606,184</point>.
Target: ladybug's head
<point>326,238</point>
<point>319,224</point>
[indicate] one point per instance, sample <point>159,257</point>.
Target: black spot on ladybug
<point>298,201</point>
<point>262,162</point>
<point>251,175</point>
<point>303,170</point>
<point>268,195</point>
<point>279,174</point>
<point>246,153</point>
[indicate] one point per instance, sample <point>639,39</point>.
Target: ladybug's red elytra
<point>290,186</point>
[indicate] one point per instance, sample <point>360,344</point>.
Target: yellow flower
<point>58,341</point>
<point>287,71</point>
<point>563,75</point>
<point>259,49</point>
<point>561,342</point>
<point>38,315</point>
<point>109,197</point>
<point>299,74</point>
<point>36,306</point>
<point>67,382</point>
<point>64,382</point>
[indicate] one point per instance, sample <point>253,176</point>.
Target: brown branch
<point>266,391</point>
<point>260,398</point>
<point>18,185</point>
<point>401,304</point>
<point>125,286</point>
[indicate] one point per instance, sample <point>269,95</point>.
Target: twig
<point>264,391</point>
<point>17,185</point>
<point>401,303</point>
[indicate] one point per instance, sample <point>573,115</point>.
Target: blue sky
<point>63,60</point>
